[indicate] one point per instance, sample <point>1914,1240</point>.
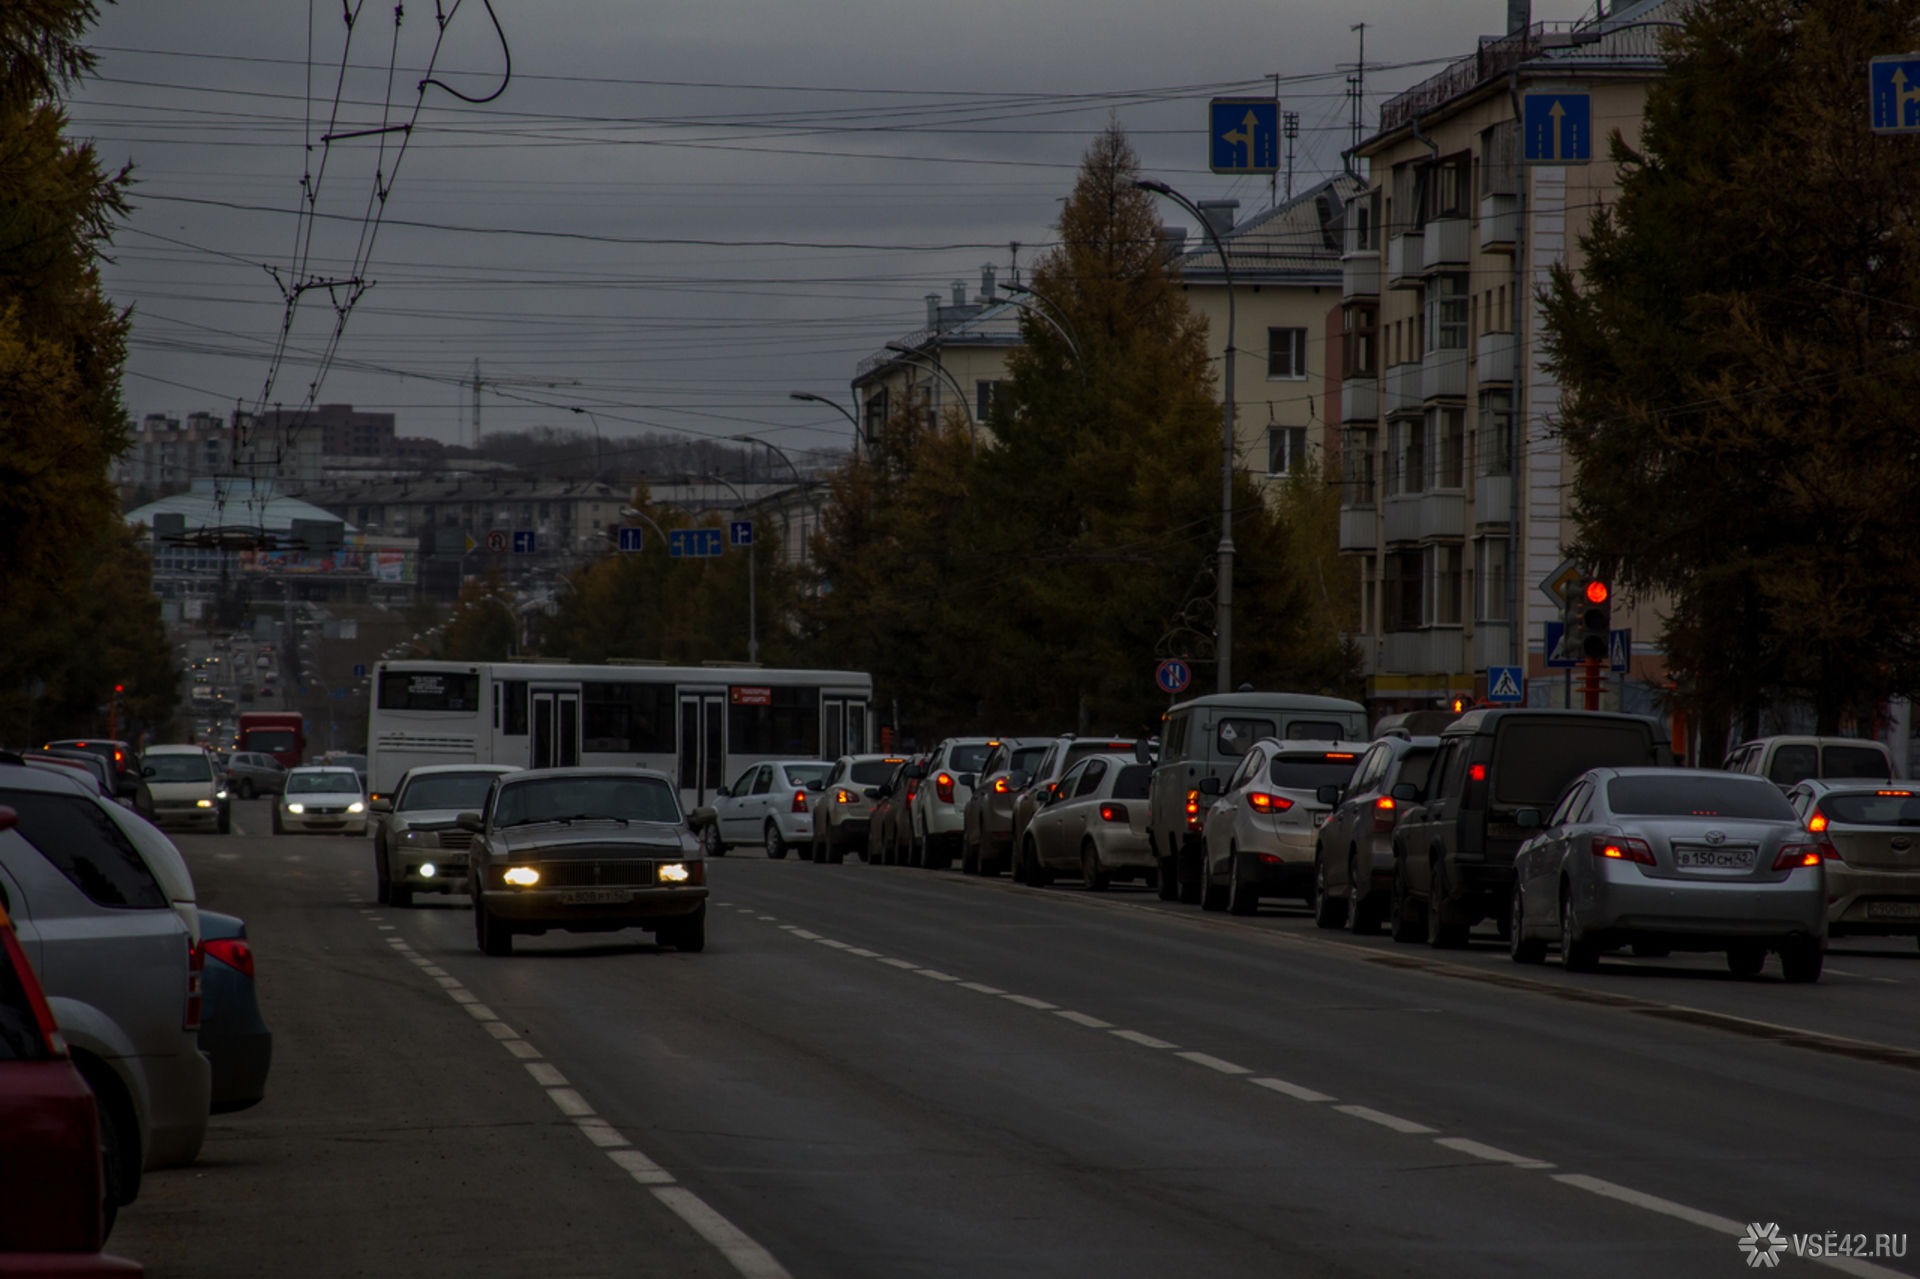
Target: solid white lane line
<point>481,1012</point>
<point>500,1030</point>
<point>1144,1040</point>
<point>1294,1091</point>
<point>1214,1063</point>
<point>907,964</point>
<point>1385,1120</point>
<point>1493,1154</point>
<point>1082,1019</point>
<point>643,1169</point>
<point>600,1132</point>
<point>546,1074</point>
<point>1028,1001</point>
<point>982,987</point>
<point>937,975</point>
<point>569,1101</point>
<point>520,1048</point>
<point>748,1257</point>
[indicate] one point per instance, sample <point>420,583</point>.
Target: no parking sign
<point>1173,675</point>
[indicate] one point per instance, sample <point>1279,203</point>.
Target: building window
<point>1400,592</point>
<point>1406,456</point>
<point>1490,559</point>
<point>1499,159</point>
<point>1448,313</point>
<point>1358,349</point>
<point>1443,188</point>
<point>1363,233</point>
<point>1442,569</point>
<point>1286,449</point>
<point>1447,446</point>
<point>1286,353</point>
<point>874,414</point>
<point>1496,434</point>
<point>1356,465</point>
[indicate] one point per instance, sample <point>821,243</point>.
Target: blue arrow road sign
<point>1893,93</point>
<point>523,541</point>
<point>1244,135</point>
<point>1559,128</point>
<point>632,538</point>
<point>1173,675</point>
<point>740,532</point>
<point>694,543</point>
<point>1506,685</point>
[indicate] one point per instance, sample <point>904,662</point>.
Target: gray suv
<point>251,773</point>
<point>1453,852</point>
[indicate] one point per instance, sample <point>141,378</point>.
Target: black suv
<point>1453,854</point>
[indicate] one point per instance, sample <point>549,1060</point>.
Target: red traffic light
<point>119,688</point>
<point>1597,591</point>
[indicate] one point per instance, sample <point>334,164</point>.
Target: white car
<point>321,799</point>
<point>187,788</point>
<point>767,804</point>
<point>1259,835</point>
<point>939,816</point>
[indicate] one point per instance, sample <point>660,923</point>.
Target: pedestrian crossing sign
<point>1506,685</point>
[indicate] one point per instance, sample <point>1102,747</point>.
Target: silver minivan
<point>119,964</point>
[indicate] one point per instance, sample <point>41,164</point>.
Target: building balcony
<point>1443,374</point>
<point>1403,388</point>
<point>1492,645</point>
<point>1360,399</point>
<point>1499,222</point>
<point>1493,499</point>
<point>1493,359</point>
<point>1435,650</point>
<point>1442,513</point>
<point>1404,260</point>
<point>1401,517</point>
<point>1446,243</point>
<point>1360,275</point>
<point>1358,528</point>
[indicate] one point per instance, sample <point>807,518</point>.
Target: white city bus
<point>699,723</point>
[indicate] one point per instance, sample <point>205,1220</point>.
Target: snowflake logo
<point>1762,1245</point>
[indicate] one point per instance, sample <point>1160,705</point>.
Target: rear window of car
<point>1080,750</point>
<point>1414,763</point>
<point>1533,760</point>
<point>1234,735</point>
<point>1853,761</point>
<point>177,768</point>
<point>1308,772</point>
<point>967,759</point>
<point>1133,782</point>
<point>873,772</point>
<point>1793,764</point>
<point>83,843</point>
<point>1697,795</point>
<point>1315,730</point>
<point>806,774</point>
<point>1891,808</point>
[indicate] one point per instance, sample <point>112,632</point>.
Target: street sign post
<point>740,533</point>
<point>1893,93</point>
<point>1506,685</point>
<point>498,541</point>
<point>632,538</point>
<point>1173,675</point>
<point>1559,128</point>
<point>1243,135</point>
<point>694,543</point>
<point>523,541</point>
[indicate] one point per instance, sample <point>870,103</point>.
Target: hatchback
<point>986,844</point>
<point>1869,837</point>
<point>842,804</point>
<point>1093,824</point>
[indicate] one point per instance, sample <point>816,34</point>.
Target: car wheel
<point>1801,959</point>
<point>1212,896</point>
<point>815,852</point>
<point>1362,914</point>
<point>1441,934</point>
<point>776,842</point>
<point>1097,879</point>
<point>969,856</point>
<point>688,934</point>
<point>1408,920</point>
<point>1165,882</point>
<point>400,895</point>
<point>1328,911</point>
<point>277,829</point>
<point>939,851</point>
<point>245,788</point>
<point>1746,959</point>
<point>1243,895</point>
<point>1037,875</point>
<point>1577,956</point>
<point>494,936</point>
<point>835,849</point>
<point>710,843</point>
<point>119,1142</point>
<point>1520,947</point>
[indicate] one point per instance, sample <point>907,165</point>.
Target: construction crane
<point>479,384</point>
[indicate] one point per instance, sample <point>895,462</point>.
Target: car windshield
<point>967,759</point>
<point>570,799</point>
<point>872,772</point>
<point>1873,808</point>
<point>270,740</point>
<point>177,768</point>
<point>460,792</point>
<point>331,782</point>
<point>1697,795</point>
<point>806,774</point>
<point>1308,772</point>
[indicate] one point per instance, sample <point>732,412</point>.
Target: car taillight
<point>1624,849</point>
<point>1817,823</point>
<point>913,788</point>
<point>842,795</point>
<point>799,801</point>
<point>1383,809</point>
<point>1113,812</point>
<point>1261,802</point>
<point>1792,856</point>
<point>196,979</point>
<point>999,785</point>
<point>943,787</point>
<point>1477,773</point>
<point>1193,809</point>
<point>233,952</point>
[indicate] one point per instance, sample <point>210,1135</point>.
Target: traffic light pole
<point>1591,684</point>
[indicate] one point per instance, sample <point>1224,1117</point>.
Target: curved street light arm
<point>800,479</point>
<point>837,407</point>
<point>900,348</point>
<point>1053,324</point>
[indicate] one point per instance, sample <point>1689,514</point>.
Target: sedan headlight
<point>674,873</point>
<point>356,807</point>
<point>522,876</point>
<point>203,803</point>
<point>295,806</point>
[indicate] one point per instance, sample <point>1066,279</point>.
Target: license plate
<point>1320,819</point>
<point>1713,858</point>
<point>1893,910</point>
<point>595,896</point>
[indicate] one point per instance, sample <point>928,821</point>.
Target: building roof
<point>1296,241</point>
<point>233,507</point>
<point>995,324</point>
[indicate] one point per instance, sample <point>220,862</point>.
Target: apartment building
<point>1454,481</point>
<point>958,359</point>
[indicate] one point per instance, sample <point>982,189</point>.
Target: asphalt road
<point>887,1072</point>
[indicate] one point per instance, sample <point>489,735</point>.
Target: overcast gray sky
<point>668,219</point>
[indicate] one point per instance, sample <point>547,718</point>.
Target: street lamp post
<point>934,363</point>
<point>837,407</point>
<point>1057,325</point>
<point>1225,627</point>
<point>799,479</point>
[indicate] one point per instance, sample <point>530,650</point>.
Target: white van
<point>1786,761</point>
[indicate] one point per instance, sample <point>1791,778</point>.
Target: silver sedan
<point>1671,859</point>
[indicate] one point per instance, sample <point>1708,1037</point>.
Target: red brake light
<point>1339,754</point>
<point>1895,794</point>
<point>1477,773</point>
<point>1796,855</point>
<point>1817,823</point>
<point>1262,802</point>
<point>1624,849</point>
<point>233,952</point>
<point>1113,812</point>
<point>943,787</point>
<point>1384,803</point>
<point>799,801</point>
<point>999,785</point>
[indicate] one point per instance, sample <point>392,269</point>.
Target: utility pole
<point>479,384</point>
<point>1357,82</point>
<point>1290,129</point>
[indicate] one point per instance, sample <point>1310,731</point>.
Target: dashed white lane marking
<point>500,1030</point>
<point>1385,1120</point>
<point>837,945</point>
<point>936,974</point>
<point>1493,1154</point>
<point>520,1048</point>
<point>906,964</point>
<point>449,983</point>
<point>569,1101</point>
<point>1144,1040</point>
<point>1082,1019</point>
<point>1214,1063</point>
<point>748,1257</point>
<point>863,952</point>
<point>767,919</point>
<point>546,1074</point>
<point>804,935</point>
<point>1286,1089</point>
<point>461,995</point>
<point>982,987</point>
<point>600,1132</point>
<point>1028,1001</point>
<point>480,1011</point>
<point>1652,1203</point>
<point>644,1170</point>
<point>434,970</point>
<point>385,928</point>
<point>226,857</point>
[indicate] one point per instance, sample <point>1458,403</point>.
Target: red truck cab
<point>281,734</point>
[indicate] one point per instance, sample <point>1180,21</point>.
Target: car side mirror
<point>1528,819</point>
<point>1142,753</point>
<point>379,806</point>
<point>1407,793</point>
<point>469,822</point>
<point>1209,786</point>
<point>1328,794</point>
<point>969,780</point>
<point>721,792</point>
